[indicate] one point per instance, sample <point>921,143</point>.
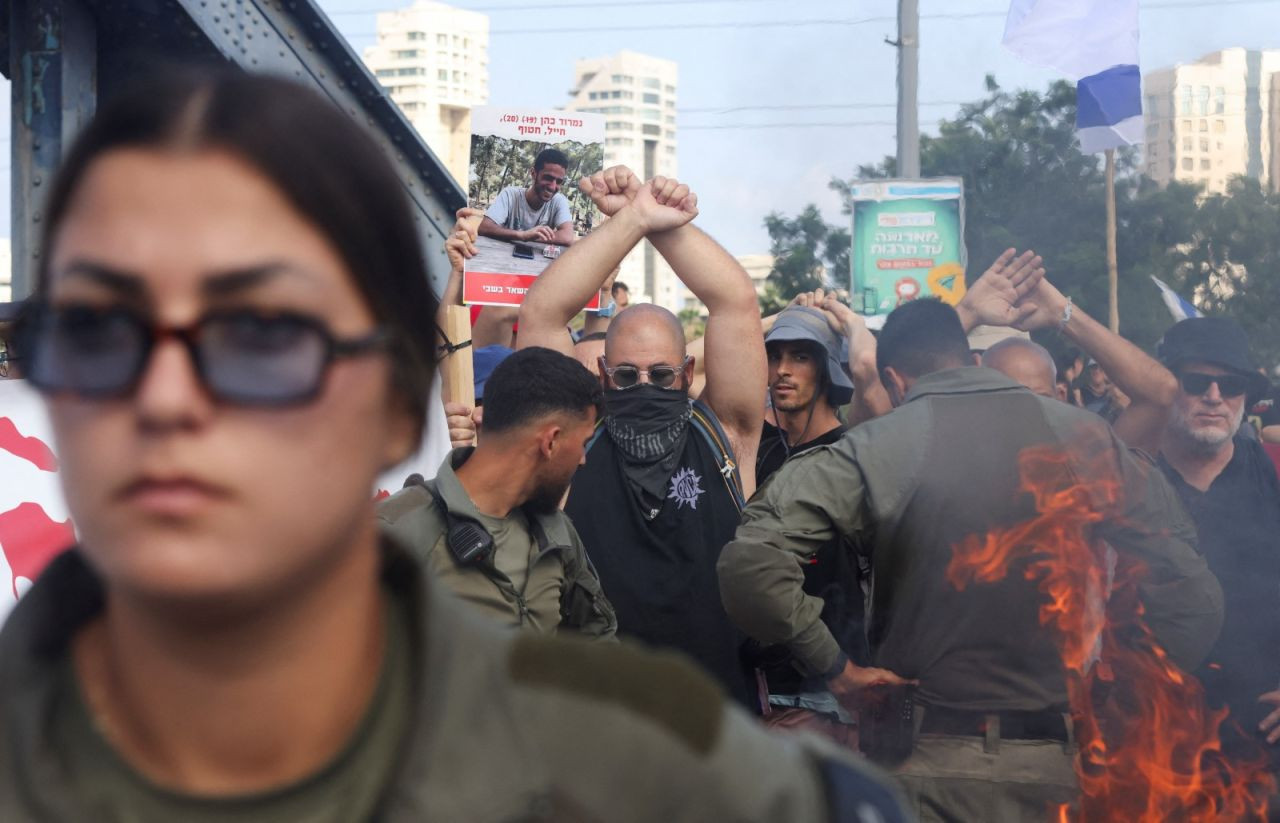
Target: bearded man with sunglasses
<point>663,484</point>
<point>1228,484</point>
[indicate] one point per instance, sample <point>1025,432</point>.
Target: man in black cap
<point>1229,486</point>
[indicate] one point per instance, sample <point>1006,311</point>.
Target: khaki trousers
<point>952,778</point>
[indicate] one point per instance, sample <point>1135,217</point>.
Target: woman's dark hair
<point>326,165</point>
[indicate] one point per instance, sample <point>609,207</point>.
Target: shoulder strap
<point>437,523</point>
<point>708,426</point>
<point>600,430</point>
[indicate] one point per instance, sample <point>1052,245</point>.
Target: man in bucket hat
<point>1229,486</point>
<point>808,384</point>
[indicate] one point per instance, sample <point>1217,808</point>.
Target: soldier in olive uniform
<point>489,525</point>
<point>993,741</point>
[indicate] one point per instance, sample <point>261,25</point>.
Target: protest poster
<point>908,242</point>
<point>531,214</point>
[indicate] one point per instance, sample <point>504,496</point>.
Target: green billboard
<point>908,242</point>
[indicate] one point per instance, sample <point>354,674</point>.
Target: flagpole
<point>1113,273</point>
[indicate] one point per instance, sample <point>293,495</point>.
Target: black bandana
<point>649,426</point>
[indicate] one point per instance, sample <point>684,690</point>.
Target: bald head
<point>647,336</point>
<point>645,323</point>
<point>1024,362</point>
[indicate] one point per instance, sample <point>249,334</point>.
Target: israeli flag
<point>1180,309</point>
<point>1094,42</point>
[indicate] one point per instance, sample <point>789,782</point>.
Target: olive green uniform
<point>472,722</point>
<point>539,576</point>
<point>905,489</point>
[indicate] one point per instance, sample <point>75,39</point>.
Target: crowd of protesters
<point>656,578</point>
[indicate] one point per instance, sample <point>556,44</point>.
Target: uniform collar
<point>553,525</point>
<point>963,380</point>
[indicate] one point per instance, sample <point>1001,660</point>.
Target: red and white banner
<point>34,523</point>
<point>487,288</point>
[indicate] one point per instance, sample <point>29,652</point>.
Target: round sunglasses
<point>628,376</point>
<point>241,356</point>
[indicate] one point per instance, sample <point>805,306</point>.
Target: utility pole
<point>908,81</point>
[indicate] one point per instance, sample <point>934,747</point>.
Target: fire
<point>1150,751</point>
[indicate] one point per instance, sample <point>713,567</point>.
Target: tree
<point>1027,185</point>
<point>807,254</point>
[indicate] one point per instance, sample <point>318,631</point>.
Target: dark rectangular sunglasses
<point>241,356</point>
<point>628,377</point>
<point>1229,385</point>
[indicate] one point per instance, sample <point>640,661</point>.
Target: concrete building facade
<point>433,59</point>
<point>637,95</point>
<point>1213,119</point>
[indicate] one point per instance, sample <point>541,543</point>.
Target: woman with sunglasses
<point>232,331</point>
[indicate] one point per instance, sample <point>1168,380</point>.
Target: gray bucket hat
<point>805,323</point>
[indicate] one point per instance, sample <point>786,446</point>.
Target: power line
<point>811,106</point>
<point>829,124</point>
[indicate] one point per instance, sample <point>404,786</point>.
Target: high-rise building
<point>757,266</point>
<point>637,95</point>
<point>1213,119</point>
<point>434,61</point>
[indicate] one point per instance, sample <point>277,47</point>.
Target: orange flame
<point>1150,751</point>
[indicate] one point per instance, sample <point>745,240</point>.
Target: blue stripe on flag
<point>1109,97</point>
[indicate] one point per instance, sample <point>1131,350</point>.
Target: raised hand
<point>611,189</point>
<point>999,296</point>
<point>665,203</point>
<point>461,242</point>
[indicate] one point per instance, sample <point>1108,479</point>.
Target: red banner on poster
<point>483,288</point>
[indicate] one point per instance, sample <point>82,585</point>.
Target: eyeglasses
<point>1229,385</point>
<point>242,357</point>
<point>628,377</point>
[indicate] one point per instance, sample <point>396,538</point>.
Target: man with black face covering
<point>661,489</point>
<point>489,525</point>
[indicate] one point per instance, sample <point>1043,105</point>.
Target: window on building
<point>1188,164</point>
<point>442,75</point>
<point>623,78</point>
<point>617,95</point>
<point>669,135</point>
<point>405,53</point>
<point>1186,125</point>
<point>442,39</point>
<point>652,83</point>
<point>1186,143</point>
<point>1219,127</point>
<point>652,115</point>
<point>1203,99</point>
<point>616,125</point>
<point>386,73</point>
<point>669,89</point>
<point>1219,100</point>
<point>670,119</point>
<point>1204,125</point>
<point>1151,105</point>
<point>1184,107</point>
<point>649,97</point>
<point>1204,144</point>
<point>1204,163</point>
<point>1219,145</point>
<point>417,35</point>
<point>457,77</point>
<point>651,131</point>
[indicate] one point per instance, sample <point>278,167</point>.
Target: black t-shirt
<point>833,575</point>
<point>1238,521</point>
<point>774,451</point>
<point>660,573</point>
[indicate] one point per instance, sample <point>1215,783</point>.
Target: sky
<point>778,96</point>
